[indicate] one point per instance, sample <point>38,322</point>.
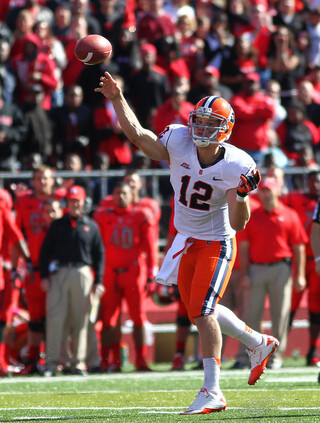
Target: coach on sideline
<point>72,246</point>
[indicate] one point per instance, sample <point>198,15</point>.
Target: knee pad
<point>314,318</point>
<point>183,321</point>
<point>37,326</point>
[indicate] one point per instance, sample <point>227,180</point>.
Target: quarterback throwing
<point>211,181</point>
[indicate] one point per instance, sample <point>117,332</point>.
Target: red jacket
<point>252,120</point>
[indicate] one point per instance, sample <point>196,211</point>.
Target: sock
<point>211,368</point>
<point>116,353</point>
<point>314,344</point>
<point>180,347</point>
<point>141,353</point>
<point>33,353</point>
<point>231,325</point>
<point>104,355</point>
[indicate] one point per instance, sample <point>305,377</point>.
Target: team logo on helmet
<point>215,108</point>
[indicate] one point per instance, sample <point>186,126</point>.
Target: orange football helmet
<point>211,107</point>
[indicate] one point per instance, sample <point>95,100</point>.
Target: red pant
<point>8,297</point>
<point>128,283</point>
<point>36,298</point>
<point>313,284</point>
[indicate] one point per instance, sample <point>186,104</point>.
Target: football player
<point>211,181</point>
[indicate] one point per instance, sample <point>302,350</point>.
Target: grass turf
<point>291,394</point>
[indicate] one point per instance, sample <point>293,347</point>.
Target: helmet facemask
<point>211,134</point>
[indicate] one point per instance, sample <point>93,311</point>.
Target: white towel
<point>168,273</point>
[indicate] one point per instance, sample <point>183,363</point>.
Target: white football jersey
<point>201,207</point>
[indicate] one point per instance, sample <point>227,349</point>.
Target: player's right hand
<point>248,183</point>
<point>108,87</point>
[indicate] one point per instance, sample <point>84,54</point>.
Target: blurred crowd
<point>262,56</point>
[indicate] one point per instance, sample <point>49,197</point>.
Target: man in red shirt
<point>127,234</point>
<point>254,111</point>
<point>304,204</point>
<point>30,219</point>
<point>11,243</point>
<point>272,238</point>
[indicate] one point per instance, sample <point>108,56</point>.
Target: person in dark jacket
<point>71,249</point>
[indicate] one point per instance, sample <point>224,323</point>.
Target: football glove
<point>248,183</point>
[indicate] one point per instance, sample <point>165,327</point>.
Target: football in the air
<point>93,49</point>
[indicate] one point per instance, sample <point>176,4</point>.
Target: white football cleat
<point>259,357</point>
<point>207,402</point>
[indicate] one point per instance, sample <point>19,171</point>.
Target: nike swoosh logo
<point>216,179</point>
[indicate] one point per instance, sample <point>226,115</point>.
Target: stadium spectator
<point>297,131</point>
<point>78,29</point>
<point>12,132</point>
<point>74,246</point>
<point>82,9</point>
<point>74,164</point>
<point>254,112</point>
<point>313,29</point>
<point>34,67</point>
<point>73,126</point>
<point>126,57</point>
<point>170,59</point>
<point>191,47</point>
<point>33,7</point>
<point>284,62</point>
<point>175,109</point>
<point>108,135</point>
<point>152,81</point>
<point>53,47</point>
<point>24,27</point>
<point>110,15</point>
<point>7,76</point>
<point>155,24</point>
<point>269,272</point>
<point>39,132</point>
<point>218,41</point>
<point>288,16</point>
<point>127,234</point>
<point>100,162</point>
<point>241,59</point>
<point>306,94</point>
<point>238,17</point>
<point>209,84</point>
<point>273,89</point>
<point>62,22</point>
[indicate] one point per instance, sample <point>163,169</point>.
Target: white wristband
<point>317,259</point>
<point>242,199</point>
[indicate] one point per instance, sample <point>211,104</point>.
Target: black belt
<point>70,265</point>
<point>286,260</point>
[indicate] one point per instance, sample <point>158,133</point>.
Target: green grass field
<point>291,394</point>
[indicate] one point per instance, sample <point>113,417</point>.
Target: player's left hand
<point>248,183</point>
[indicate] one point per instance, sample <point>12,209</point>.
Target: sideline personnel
<point>71,246</point>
